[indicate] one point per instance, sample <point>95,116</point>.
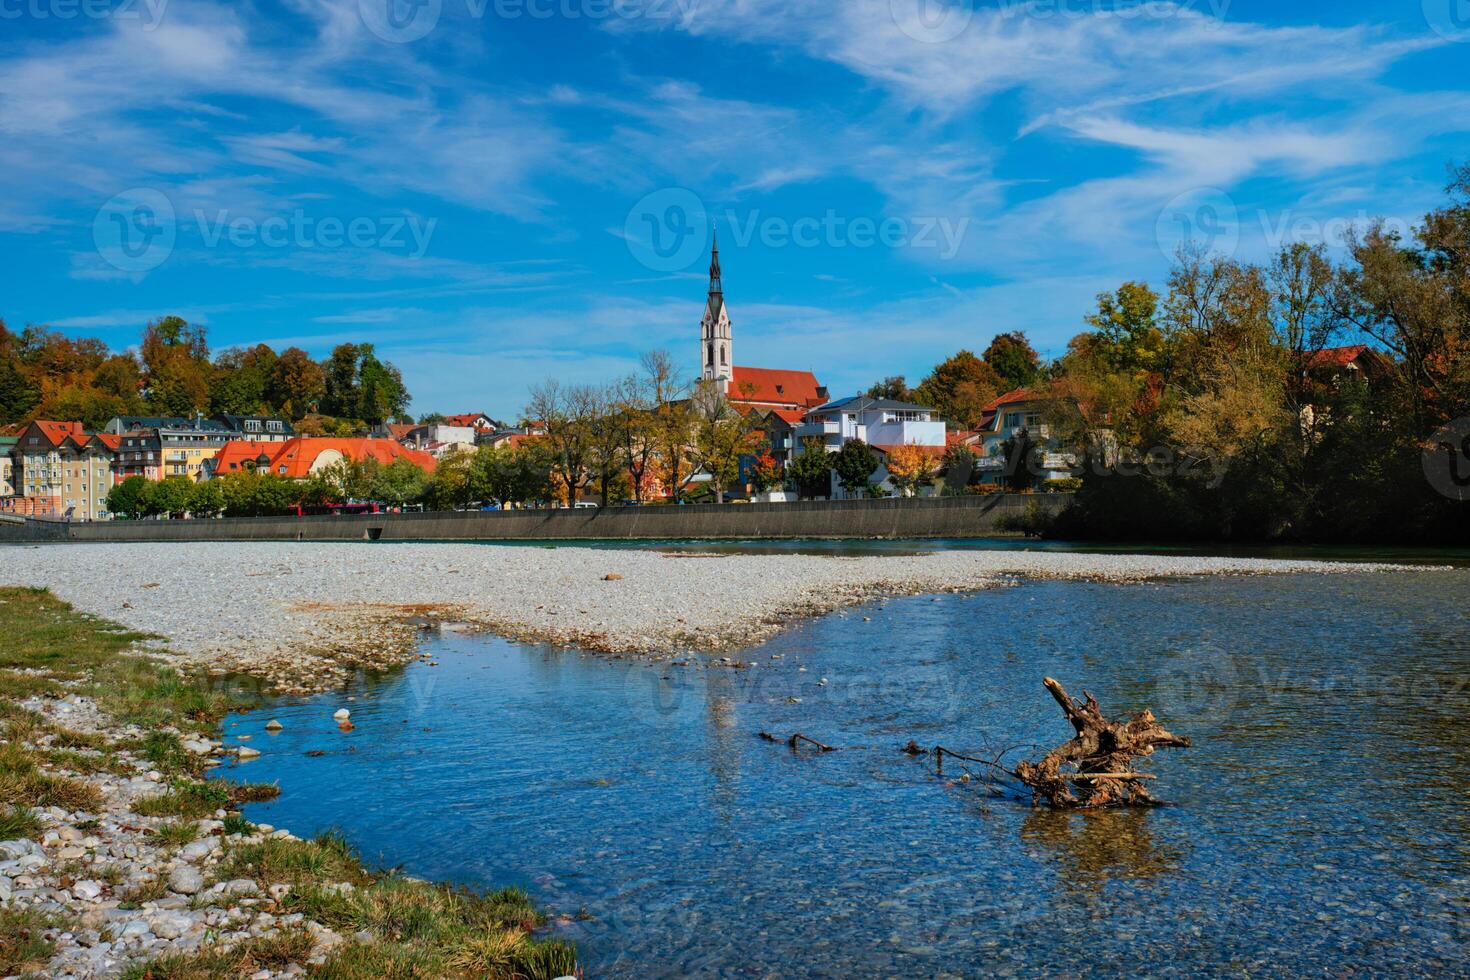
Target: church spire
<point>715,288</point>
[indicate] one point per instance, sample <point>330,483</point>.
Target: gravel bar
<point>300,614</point>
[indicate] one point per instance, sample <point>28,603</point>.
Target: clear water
<point>1321,822</point>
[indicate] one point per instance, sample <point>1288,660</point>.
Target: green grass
<point>272,952</point>
<point>23,946</point>
<point>177,833</point>
<point>86,762</point>
<point>24,783</point>
<point>165,750</point>
<point>191,798</point>
<point>144,891</point>
<point>47,635</point>
<point>17,822</point>
<point>273,861</point>
<point>235,823</point>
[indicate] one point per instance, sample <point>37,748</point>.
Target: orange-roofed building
<point>759,388</point>
<point>60,470</point>
<point>302,456</point>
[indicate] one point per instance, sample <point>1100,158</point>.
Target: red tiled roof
<point>791,416</point>
<point>1009,398</point>
<point>1335,357</point>
<point>108,439</point>
<point>233,456</point>
<point>466,420</point>
<point>57,432</point>
<point>768,386</point>
<point>400,430</point>
<point>295,457</point>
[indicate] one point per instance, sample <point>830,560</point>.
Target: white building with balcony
<point>882,423</point>
<point>1007,415</point>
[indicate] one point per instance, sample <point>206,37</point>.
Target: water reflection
<point>1320,818</point>
<point>1092,849</point>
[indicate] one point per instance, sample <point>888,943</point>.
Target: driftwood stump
<point>1102,754</point>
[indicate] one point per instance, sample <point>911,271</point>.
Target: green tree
<point>855,464</point>
<point>721,436</point>
<point>206,499</point>
<point>811,470</point>
<point>1127,324</point>
<point>1013,358</point>
<point>894,387</point>
<point>125,499</point>
<point>169,496</point>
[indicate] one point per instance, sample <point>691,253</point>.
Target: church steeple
<point>715,289</point>
<point>715,356</point>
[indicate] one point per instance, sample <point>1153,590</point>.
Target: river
<point>1319,824</point>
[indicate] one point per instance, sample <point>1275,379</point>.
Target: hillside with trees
<point>45,374</point>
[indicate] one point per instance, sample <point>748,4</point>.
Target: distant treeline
<point>44,374</point>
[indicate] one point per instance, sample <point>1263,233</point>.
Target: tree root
<point>1102,753</point>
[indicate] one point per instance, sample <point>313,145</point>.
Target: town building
<point>438,439</point>
<point>258,428</point>
<point>157,447</point>
<point>1006,416</point>
<point>7,445</point>
<point>302,456</point>
<point>60,471</point>
<point>880,422</point>
<point>747,388</point>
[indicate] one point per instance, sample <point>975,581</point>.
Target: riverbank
<point>304,615</point>
<point>118,858</point>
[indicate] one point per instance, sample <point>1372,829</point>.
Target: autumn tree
<point>894,387</point>
<point>909,468</point>
<point>176,368</point>
<point>721,436</point>
<point>297,384</point>
<point>959,388</point>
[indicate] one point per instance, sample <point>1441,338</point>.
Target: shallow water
<point>1321,822</point>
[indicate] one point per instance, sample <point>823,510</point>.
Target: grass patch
<point>23,945</point>
<point>86,762</point>
<point>193,798</point>
<point>47,635</point>
<point>70,738</point>
<point>17,822</point>
<point>177,833</point>
<point>235,823</point>
<point>144,891</point>
<point>274,861</point>
<point>14,684</point>
<point>272,952</point>
<point>165,750</point>
<point>23,783</point>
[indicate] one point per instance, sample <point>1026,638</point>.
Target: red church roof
<point>775,388</point>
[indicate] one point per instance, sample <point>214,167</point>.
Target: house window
<point>273,426</point>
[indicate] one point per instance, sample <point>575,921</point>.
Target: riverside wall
<point>941,517</point>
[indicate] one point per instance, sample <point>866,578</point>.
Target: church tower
<point>714,329</point>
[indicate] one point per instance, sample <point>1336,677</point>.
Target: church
<point>789,395</point>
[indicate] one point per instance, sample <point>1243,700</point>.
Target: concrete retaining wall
<point>942,517</point>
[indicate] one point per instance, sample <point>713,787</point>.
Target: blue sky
<point>495,191</point>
